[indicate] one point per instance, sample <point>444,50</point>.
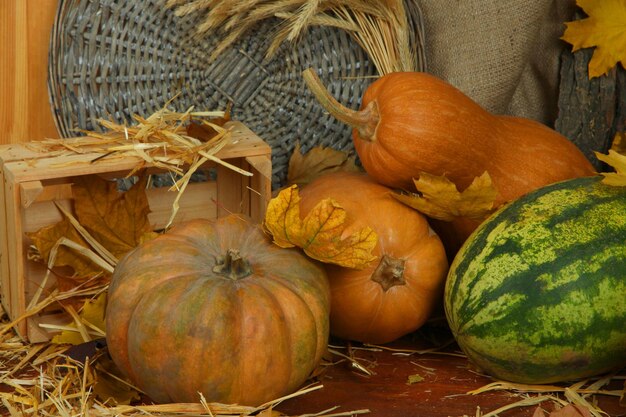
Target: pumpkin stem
<point>232,265</point>
<point>364,121</point>
<point>390,272</point>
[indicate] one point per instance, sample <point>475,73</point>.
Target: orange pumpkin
<point>414,122</point>
<point>214,307</point>
<point>396,294</point>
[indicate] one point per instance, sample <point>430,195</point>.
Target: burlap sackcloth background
<point>502,53</point>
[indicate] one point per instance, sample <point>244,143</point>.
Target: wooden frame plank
<point>42,166</point>
<point>5,274</point>
<point>229,190</point>
<point>16,254</point>
<point>260,185</point>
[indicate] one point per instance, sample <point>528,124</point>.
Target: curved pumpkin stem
<point>364,121</point>
<point>389,273</point>
<point>232,265</point>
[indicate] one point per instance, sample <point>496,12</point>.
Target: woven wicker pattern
<point>112,59</point>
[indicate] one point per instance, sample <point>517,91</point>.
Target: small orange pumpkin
<point>396,294</point>
<point>214,307</point>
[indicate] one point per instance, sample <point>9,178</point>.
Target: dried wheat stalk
<point>381,27</point>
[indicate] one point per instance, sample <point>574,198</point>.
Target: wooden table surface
<point>441,393</point>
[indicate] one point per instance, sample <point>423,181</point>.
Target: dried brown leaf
<point>304,168</point>
<point>117,220</point>
<point>111,384</point>
<point>65,284</point>
<point>571,410</point>
<point>47,237</point>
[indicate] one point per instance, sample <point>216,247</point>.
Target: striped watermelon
<point>538,292</point>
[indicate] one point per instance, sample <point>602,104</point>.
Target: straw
<point>382,28</point>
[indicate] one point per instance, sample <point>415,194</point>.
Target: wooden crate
<point>33,183</point>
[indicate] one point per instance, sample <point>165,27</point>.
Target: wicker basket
<point>112,59</point>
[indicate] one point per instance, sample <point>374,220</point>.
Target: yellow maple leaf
<point>439,198</point>
<point>619,143</point>
<point>618,162</point>
<point>321,233</point>
<point>605,29</point>
<point>91,319</point>
<point>303,168</point>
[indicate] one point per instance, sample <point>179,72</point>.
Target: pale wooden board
<point>35,273</point>
<point>36,191</point>
<point>260,185</point>
<point>198,201</point>
<point>16,254</point>
<point>230,198</point>
<point>25,113</point>
<point>23,165</point>
<point>43,213</point>
<point>5,280</point>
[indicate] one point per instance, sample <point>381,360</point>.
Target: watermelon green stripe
<point>538,293</point>
<point>550,279</point>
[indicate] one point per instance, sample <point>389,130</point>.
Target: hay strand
<point>578,387</point>
<point>160,140</point>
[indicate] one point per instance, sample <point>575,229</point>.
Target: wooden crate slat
<point>5,275</point>
<point>36,192</point>
<point>43,213</point>
<point>24,165</point>
<point>229,193</point>
<point>259,183</point>
<point>198,201</point>
<point>16,255</point>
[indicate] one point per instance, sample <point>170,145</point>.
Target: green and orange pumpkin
<point>213,307</point>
